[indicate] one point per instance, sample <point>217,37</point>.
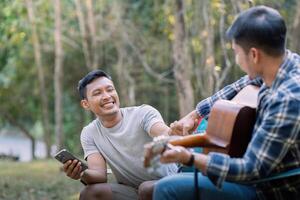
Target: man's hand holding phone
<point>73,169</point>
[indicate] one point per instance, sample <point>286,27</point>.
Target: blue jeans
<point>181,186</point>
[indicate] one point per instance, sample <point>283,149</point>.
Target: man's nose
<point>105,95</point>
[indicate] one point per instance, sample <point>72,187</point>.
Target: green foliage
<point>149,27</point>
<point>73,115</point>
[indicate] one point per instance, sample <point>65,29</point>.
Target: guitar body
<point>230,125</point>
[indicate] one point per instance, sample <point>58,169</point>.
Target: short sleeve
<point>87,142</point>
<point>149,116</point>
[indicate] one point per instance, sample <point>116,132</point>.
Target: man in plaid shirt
<point>258,39</point>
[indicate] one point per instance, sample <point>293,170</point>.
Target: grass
<point>37,180</point>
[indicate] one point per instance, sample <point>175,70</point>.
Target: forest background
<point>167,53</point>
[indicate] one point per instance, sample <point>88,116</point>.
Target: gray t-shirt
<point>122,146</point>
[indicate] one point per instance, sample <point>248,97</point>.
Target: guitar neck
<point>198,140</point>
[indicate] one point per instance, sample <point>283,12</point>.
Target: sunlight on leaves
<point>171,19</point>
<point>196,45</point>
<point>171,36</point>
<point>218,68</point>
<point>228,45</point>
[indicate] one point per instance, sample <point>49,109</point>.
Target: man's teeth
<point>108,104</point>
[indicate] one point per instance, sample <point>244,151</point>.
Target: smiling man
<point>116,137</point>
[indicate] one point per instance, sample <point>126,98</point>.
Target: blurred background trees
<point>166,53</point>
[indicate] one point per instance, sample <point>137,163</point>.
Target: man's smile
<point>108,105</point>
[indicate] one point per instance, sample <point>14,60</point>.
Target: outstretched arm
<point>159,128</point>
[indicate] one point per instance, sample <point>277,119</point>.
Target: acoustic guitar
<point>229,129</point>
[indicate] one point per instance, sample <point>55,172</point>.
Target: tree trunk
<point>166,103</point>
<point>295,34</point>
<point>182,67</point>
<point>22,128</point>
<point>41,77</point>
<point>227,63</point>
<point>126,82</point>
<point>210,74</point>
<point>84,35</point>
<point>92,29</point>
<point>58,73</point>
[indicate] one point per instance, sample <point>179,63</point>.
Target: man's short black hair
<point>88,79</point>
<point>261,27</point>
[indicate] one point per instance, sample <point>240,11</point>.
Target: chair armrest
<point>281,175</point>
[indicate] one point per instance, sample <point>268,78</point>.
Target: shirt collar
<point>283,70</point>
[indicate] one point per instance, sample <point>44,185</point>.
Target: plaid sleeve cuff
<point>217,168</point>
<point>203,108</point>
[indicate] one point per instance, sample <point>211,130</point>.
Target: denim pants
<point>181,186</point>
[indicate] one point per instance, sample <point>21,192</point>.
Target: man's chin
<point>111,111</point>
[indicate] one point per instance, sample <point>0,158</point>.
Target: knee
<point>171,187</point>
<point>145,190</point>
<point>161,186</point>
<point>96,191</point>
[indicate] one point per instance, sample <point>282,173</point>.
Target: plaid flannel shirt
<point>275,143</point>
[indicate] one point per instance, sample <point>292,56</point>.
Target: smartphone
<point>64,156</point>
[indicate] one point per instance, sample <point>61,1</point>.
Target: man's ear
<point>254,55</point>
<point>85,104</point>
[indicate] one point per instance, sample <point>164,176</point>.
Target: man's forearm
<point>158,129</point>
<point>201,161</point>
<point>91,176</point>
